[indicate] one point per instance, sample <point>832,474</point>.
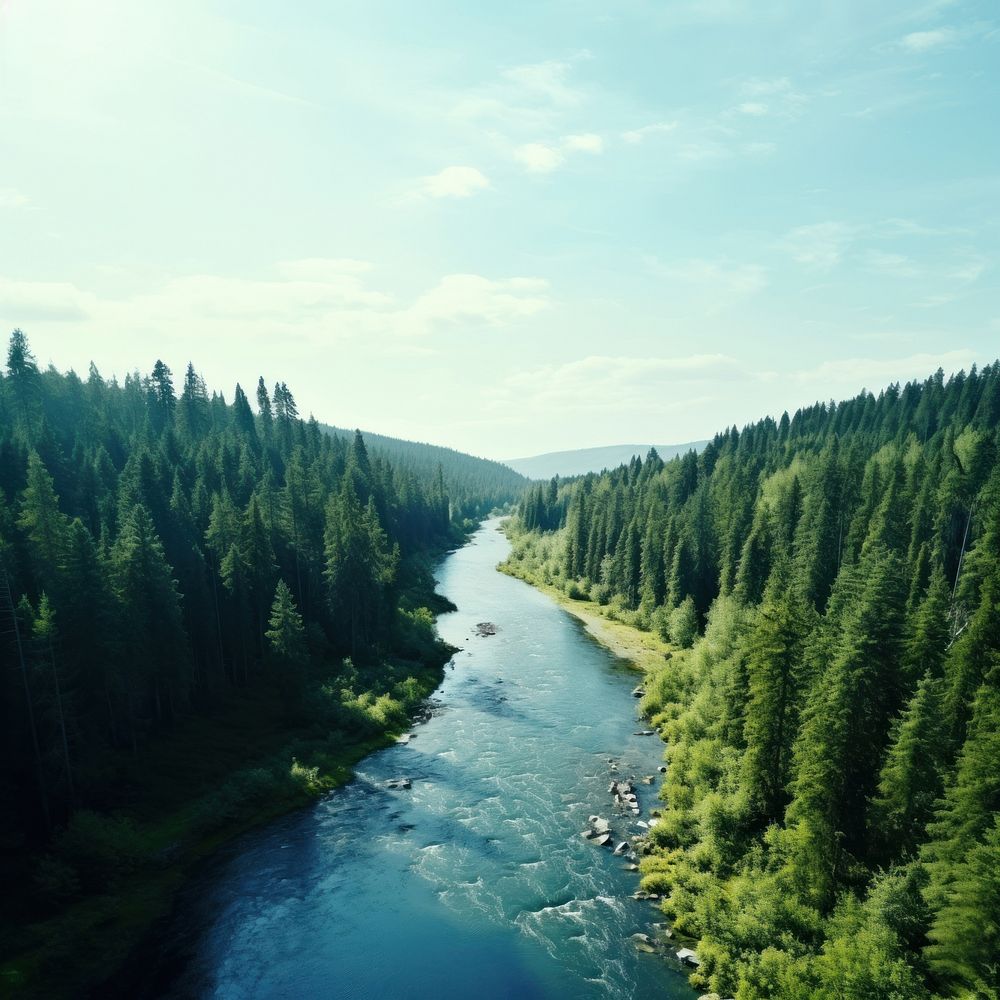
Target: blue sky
<point>508,228</point>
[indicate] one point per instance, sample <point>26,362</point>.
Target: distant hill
<point>475,485</point>
<point>584,460</point>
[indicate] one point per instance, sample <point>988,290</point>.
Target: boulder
<point>644,942</point>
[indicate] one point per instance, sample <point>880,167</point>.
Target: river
<point>476,881</point>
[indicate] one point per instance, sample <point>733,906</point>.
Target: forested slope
<point>186,586</point>
<point>831,585</point>
<point>579,462</point>
<point>475,485</point>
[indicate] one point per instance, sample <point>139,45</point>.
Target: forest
<point>208,609</point>
<point>476,486</point>
<point>829,587</point>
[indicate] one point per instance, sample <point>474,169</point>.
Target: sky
<point>506,228</point>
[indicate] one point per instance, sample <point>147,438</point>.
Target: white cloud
<point>776,96</point>
<point>758,87</point>
<point>10,198</point>
<point>895,265</point>
<point>717,277</point>
<point>759,148</point>
<point>526,98</point>
<point>820,245</point>
<point>968,271</point>
<point>454,182</point>
<point>587,142</point>
<point>311,301</point>
<point>22,302</point>
<point>544,81</point>
<point>537,158</point>
<point>637,135</point>
<point>849,376</point>
<point>923,41</point>
<point>471,298</point>
<point>322,268</point>
<point>603,381</point>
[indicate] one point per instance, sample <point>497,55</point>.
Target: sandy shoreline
<point>643,650</point>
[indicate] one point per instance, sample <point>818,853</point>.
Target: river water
<point>476,881</point>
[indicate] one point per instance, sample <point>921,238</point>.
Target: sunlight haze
<point>540,227</point>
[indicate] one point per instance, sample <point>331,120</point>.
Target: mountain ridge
<point>580,461</point>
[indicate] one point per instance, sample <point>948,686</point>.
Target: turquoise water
<point>476,881</point>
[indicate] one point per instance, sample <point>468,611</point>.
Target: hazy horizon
<point>529,230</point>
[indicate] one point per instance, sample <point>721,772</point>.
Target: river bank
<point>205,784</point>
<point>643,650</point>
<point>477,853</point>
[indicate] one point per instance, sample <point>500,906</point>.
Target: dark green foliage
<point>832,797</point>
<point>165,556</point>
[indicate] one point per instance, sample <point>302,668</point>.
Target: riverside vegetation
<point>828,587</point>
<point>207,615</point>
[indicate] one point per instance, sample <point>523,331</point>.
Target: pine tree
<point>287,641</point>
<point>774,650</point>
<point>42,522</point>
<point>910,779</point>
<point>151,626</point>
<point>962,858</point>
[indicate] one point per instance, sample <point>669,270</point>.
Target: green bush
<point>100,849</point>
<point>684,624</point>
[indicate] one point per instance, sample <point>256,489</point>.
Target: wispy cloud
<point>924,41</point>
<point>530,97</point>
<point>546,81</point>
<point>587,142</point>
<point>638,135</point>
<point>537,158</point>
<point>602,381</point>
<point>721,278</point>
<point>454,182</point>
<point>819,245</point>
<point>311,300</point>
<point>775,96</point>
<point>473,299</point>
<point>895,265</point>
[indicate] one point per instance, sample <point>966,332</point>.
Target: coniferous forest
<point>186,585</point>
<point>829,587</point>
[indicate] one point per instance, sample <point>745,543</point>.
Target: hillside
<point>475,485</point>
<point>207,614</point>
<point>583,460</point>
<point>829,585</point>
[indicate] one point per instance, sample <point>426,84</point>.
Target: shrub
<point>684,624</point>
<point>307,778</point>
<point>100,849</point>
